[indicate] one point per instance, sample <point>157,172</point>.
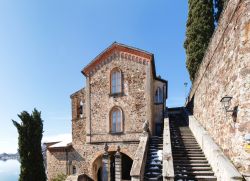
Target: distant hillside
<point>6,156</point>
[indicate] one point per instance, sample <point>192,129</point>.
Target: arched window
<point>116,120</point>
<point>116,81</point>
<point>158,95</point>
<point>80,110</point>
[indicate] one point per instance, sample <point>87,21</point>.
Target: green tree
<point>199,29</point>
<point>219,5</point>
<point>30,132</point>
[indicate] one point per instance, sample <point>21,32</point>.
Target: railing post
<point>106,164</point>
<point>168,167</point>
<point>118,165</point>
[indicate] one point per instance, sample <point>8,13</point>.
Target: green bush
<point>60,177</point>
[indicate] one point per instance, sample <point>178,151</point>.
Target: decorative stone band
<point>168,166</point>
<point>221,165</point>
<point>117,56</point>
<point>137,170</point>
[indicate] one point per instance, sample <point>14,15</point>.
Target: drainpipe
<point>67,161</point>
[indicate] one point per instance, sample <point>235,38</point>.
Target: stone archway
<point>126,165</point>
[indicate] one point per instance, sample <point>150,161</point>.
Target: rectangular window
<point>116,82</point>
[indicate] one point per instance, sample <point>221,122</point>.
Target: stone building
<point>209,139</point>
<point>122,94</point>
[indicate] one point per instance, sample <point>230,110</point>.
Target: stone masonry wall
<point>225,70</point>
<point>133,101</point>
<point>78,121</point>
<point>56,163</point>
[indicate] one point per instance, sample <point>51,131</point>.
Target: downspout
<point>67,162</point>
<point>89,112</point>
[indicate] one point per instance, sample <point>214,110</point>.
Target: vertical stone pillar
<point>106,164</point>
<point>149,97</point>
<point>118,165</point>
<point>87,110</point>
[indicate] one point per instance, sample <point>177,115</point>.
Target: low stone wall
<point>56,163</point>
<point>168,166</point>
<point>222,167</point>
<point>137,170</point>
<point>225,70</point>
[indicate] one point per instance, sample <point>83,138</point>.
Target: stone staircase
<point>153,169</point>
<point>189,160</point>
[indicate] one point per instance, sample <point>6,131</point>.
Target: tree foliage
<point>30,132</point>
<point>199,29</point>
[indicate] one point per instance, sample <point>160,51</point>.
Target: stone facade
<point>92,106</point>
<point>225,70</point>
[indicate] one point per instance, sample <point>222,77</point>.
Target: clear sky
<point>45,44</point>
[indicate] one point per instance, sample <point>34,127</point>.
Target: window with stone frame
<point>116,81</point>
<point>116,120</point>
<point>159,95</point>
<point>80,109</point>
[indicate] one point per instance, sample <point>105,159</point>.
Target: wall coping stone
<point>137,170</point>
<point>168,166</point>
<point>221,165</point>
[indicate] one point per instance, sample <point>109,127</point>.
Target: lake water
<point>9,170</point>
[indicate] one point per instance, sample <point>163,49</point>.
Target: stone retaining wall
<point>225,70</point>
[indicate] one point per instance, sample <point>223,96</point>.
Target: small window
<point>74,170</point>
<point>158,95</point>
<point>116,81</point>
<point>116,120</point>
<point>80,110</point>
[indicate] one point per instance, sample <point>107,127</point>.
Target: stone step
<point>188,168</point>
<point>184,141</point>
<point>200,178</point>
<point>186,145</point>
<point>191,165</point>
<point>188,154</point>
<point>185,148</point>
<point>190,161</point>
<point>209,173</point>
<point>190,158</point>
<point>186,151</point>
<point>156,171</point>
<point>153,179</point>
<point>181,149</point>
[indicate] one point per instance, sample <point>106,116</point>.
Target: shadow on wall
<point>190,105</point>
<point>69,155</point>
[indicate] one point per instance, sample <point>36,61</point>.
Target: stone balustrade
<point>221,165</point>
<point>137,170</point>
<point>168,167</point>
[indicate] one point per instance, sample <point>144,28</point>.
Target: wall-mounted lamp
<point>226,102</point>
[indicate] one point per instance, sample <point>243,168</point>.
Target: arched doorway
<point>99,174</point>
<point>126,165</point>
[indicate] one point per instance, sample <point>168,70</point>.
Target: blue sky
<point>45,44</point>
